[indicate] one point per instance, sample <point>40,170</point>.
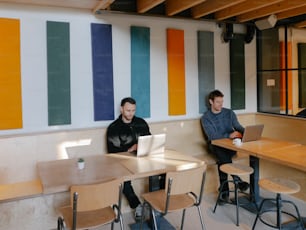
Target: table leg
<point>254,178</point>
<point>251,205</point>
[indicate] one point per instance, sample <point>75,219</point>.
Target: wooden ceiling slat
<point>174,6</point>
<point>300,24</point>
<point>291,13</point>
<point>272,9</point>
<point>211,6</point>
<point>145,5</point>
<point>102,5</point>
<point>243,8</point>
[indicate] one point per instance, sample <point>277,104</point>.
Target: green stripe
<point>237,72</point>
<point>206,67</point>
<point>58,64</point>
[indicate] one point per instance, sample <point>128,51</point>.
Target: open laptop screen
<point>252,133</point>
<point>151,144</point>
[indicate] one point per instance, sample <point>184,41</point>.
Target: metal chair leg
<point>201,217</point>
<point>279,211</point>
<point>183,219</point>
<point>60,223</point>
<point>219,195</point>
<point>154,219</point>
<point>236,202</point>
<point>143,214</point>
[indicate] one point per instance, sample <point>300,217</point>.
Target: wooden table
<point>282,152</point>
<point>59,175</point>
<point>293,156</point>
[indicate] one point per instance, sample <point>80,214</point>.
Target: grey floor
<point>224,218</point>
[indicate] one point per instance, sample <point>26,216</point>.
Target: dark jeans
<point>130,195</point>
<point>224,156</point>
<point>155,183</point>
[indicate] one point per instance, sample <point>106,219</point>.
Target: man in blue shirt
<point>219,122</point>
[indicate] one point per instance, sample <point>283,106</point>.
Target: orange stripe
<point>10,76</point>
<point>176,72</point>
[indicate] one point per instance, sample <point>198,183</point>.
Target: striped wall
<point>59,75</point>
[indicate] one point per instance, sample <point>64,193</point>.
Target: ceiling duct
<point>250,32</point>
<point>228,32</point>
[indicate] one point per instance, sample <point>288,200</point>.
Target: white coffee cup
<point>237,141</point>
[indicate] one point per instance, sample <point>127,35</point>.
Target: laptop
<point>151,144</point>
<point>252,133</point>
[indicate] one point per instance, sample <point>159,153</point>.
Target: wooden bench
<point>21,190</point>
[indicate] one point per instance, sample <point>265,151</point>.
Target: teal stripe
<point>206,67</point>
<point>58,69</point>
<point>237,72</point>
<point>140,69</point>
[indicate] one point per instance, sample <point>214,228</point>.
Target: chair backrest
<point>187,181</point>
<point>97,196</point>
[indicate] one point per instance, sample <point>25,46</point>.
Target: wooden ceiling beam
<point>272,9</point>
<point>102,5</point>
<point>211,6</point>
<point>243,7</point>
<point>174,6</point>
<point>146,5</point>
<point>291,13</point>
<point>300,24</point>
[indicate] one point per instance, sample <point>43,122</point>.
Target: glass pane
<point>282,71</point>
<point>298,41</point>
<point>269,92</point>
<point>268,49</point>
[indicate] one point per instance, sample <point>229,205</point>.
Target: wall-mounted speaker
<point>250,32</point>
<point>228,33</point>
<point>266,23</point>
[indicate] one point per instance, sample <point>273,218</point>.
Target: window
<point>281,70</point>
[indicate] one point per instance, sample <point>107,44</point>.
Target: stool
<point>278,186</point>
<point>233,169</point>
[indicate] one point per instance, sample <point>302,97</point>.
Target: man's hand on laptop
<point>133,148</point>
<point>235,134</point>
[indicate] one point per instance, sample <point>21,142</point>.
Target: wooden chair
<point>234,169</point>
<point>92,206</point>
<point>184,189</point>
<point>278,186</point>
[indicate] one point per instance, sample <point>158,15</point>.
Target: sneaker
<point>224,199</point>
<point>243,186</point>
<point>138,212</point>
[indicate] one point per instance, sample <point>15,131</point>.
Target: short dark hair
<point>213,94</point>
<point>128,100</point>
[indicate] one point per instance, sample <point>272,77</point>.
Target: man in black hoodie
<point>122,136</point>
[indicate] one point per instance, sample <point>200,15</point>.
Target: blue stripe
<point>102,65</point>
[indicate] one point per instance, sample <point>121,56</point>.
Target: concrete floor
<point>224,218</point>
